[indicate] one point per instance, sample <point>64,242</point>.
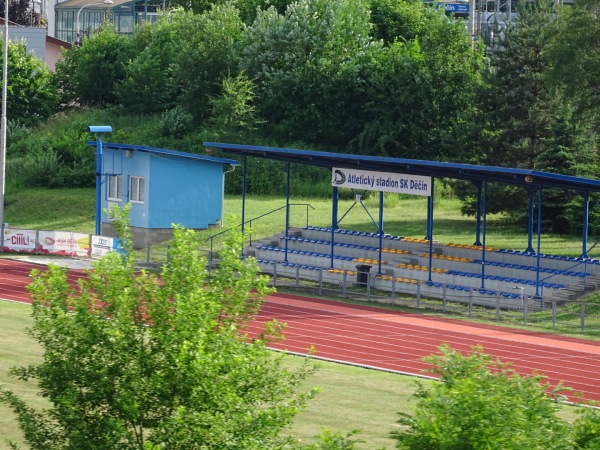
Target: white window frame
<point>114,182</point>
<point>137,189</point>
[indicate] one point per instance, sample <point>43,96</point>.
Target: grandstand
<point>424,265</point>
<point>451,272</point>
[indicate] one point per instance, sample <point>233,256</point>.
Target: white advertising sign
<point>16,240</point>
<point>102,245</point>
<point>381,181</point>
<point>64,243</point>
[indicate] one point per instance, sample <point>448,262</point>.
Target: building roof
<point>162,151</point>
<point>522,177</point>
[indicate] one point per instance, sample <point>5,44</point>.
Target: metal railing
<point>568,317</point>
<point>250,221</point>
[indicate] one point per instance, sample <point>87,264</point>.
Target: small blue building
<point>164,187</point>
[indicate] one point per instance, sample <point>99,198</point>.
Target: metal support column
<point>98,186</point>
<point>380,229</point>
<point>478,216</point>
<point>539,242</point>
<point>334,220</point>
<point>99,130</point>
<point>484,232</point>
<point>586,215</point>
<point>287,211</point>
<point>530,220</point>
<point>244,193</point>
<point>430,226</point>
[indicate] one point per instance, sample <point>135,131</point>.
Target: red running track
<point>390,340</point>
<point>15,276</point>
<point>395,341</point>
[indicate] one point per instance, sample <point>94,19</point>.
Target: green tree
<point>31,97</point>
<point>233,113</point>
<point>575,51</point>
<point>87,75</point>
<point>21,12</point>
<point>529,123</point>
<point>520,101</point>
<point>308,66</point>
<point>420,94</point>
<point>249,8</point>
<point>482,404</point>
<point>571,150</point>
<point>399,20</point>
<point>132,360</point>
<point>209,54</point>
<point>149,84</point>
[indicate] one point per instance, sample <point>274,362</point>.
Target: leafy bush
<point>586,429</point>
<point>39,168</point>
<point>176,122</point>
<point>481,404</point>
<point>52,160</point>
<point>87,75</point>
<point>233,112</point>
<point>31,95</point>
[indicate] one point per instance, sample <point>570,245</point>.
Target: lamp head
<point>100,129</point>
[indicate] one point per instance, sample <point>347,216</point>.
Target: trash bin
<point>362,274</point>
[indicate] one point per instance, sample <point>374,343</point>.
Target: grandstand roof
<point>524,177</point>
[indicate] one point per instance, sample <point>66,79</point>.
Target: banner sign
<point>381,181</point>
<point>64,243</point>
<point>16,240</point>
<point>457,8</point>
<point>102,245</point>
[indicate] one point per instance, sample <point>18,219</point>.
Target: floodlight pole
<point>99,130</point>
<point>3,118</point>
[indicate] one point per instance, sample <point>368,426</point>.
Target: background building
<point>75,19</point>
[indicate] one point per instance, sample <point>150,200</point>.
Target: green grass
<point>16,349</point>
<point>51,209</point>
<point>350,397</point>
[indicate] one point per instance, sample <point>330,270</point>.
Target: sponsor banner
<point>381,181</point>
<point>102,245</point>
<point>64,243</point>
<point>16,240</point>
